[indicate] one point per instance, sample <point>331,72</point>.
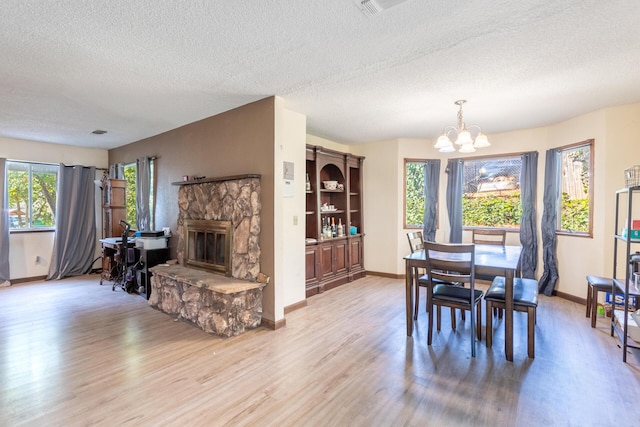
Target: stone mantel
<point>219,179</point>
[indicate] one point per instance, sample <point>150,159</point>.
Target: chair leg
<point>430,327</point>
<point>531,330</point>
<point>589,291</point>
<point>489,326</point>
<point>453,319</point>
<point>417,299</point>
<point>594,307</point>
<point>438,313</point>
<point>479,321</point>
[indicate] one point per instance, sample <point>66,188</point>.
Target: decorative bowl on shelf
<point>330,185</point>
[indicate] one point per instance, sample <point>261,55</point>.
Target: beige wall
<point>614,130</point>
<point>26,246</point>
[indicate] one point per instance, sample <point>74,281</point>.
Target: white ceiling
<point>137,68</point>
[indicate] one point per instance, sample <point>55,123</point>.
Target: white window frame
<point>29,168</point>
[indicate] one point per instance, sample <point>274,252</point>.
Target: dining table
<point>493,260</point>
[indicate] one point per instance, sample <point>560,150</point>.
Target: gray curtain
<point>549,221</point>
<point>455,169</point>
<point>4,226</point>
<point>431,184</point>
<point>143,191</point>
<point>75,239</point>
<point>528,231</point>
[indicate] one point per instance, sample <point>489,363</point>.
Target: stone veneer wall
<point>235,200</point>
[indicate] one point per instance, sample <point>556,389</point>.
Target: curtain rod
<point>126,163</point>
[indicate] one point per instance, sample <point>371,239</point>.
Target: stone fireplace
<point>217,284</point>
<point>234,201</point>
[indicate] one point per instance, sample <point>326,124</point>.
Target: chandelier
<point>462,136</point>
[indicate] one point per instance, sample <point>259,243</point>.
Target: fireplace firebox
<point>208,245</point>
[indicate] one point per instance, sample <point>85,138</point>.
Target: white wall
<point>290,141</point>
<point>25,246</point>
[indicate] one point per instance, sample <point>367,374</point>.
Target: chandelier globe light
<point>462,136</point>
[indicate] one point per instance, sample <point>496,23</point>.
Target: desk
<point>491,260</point>
<point>149,258</point>
<point>110,255</point>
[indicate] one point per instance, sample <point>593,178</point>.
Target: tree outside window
<point>491,189</point>
<point>130,175</point>
<point>414,171</point>
<point>574,214</point>
<point>31,190</point>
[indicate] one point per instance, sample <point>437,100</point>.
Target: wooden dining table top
<point>493,257</point>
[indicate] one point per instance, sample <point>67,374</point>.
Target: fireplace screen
<point>208,245</point>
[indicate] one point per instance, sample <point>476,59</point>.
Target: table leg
<point>508,315</point>
<point>409,296</point>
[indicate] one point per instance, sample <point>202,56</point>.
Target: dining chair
<point>416,243</point>
<point>525,299</point>
<point>453,262</point>
<point>489,236</point>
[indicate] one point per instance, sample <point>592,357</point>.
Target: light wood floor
<point>74,353</point>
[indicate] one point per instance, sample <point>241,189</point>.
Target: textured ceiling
<point>137,68</point>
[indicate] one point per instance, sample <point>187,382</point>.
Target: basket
<point>632,176</point>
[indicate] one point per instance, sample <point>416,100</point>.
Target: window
<point>31,190</point>
<point>414,171</point>
<point>492,192</point>
<point>130,175</point>
<point>574,207</point>
<point>131,204</point>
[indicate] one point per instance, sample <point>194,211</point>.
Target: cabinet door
<point>340,256</point>
<point>326,260</point>
<point>312,264</point>
<point>355,254</point>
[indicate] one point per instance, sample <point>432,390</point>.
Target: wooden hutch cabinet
<point>113,207</point>
<point>333,258</point>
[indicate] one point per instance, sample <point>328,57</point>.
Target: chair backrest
<point>451,262</point>
<point>416,243</point>
<point>489,236</point>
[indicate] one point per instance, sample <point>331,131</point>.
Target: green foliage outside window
<point>498,211</point>
<point>130,173</point>
<point>574,210</point>
<point>575,214</point>
<point>414,195</point>
<point>31,192</point>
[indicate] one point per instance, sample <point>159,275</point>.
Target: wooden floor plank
<point>76,353</point>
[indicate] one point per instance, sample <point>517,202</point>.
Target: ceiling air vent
<point>373,7</point>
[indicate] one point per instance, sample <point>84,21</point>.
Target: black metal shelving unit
<point>624,286</point>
